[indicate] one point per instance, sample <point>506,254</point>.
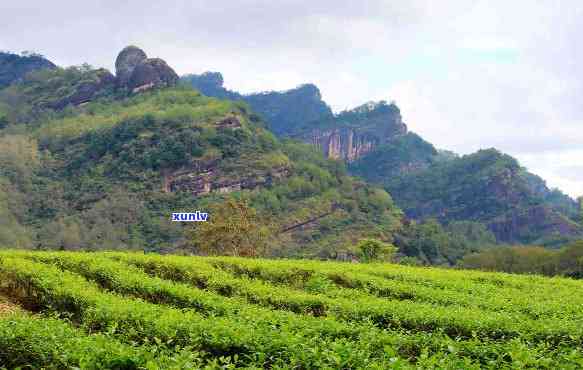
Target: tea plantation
<point>136,311</point>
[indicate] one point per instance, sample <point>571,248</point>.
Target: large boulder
<point>125,63</point>
<point>136,72</point>
<point>151,73</point>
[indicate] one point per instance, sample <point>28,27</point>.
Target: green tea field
<point>135,311</point>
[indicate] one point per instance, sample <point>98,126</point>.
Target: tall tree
<point>233,229</point>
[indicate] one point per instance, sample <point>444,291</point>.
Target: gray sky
<point>466,74</point>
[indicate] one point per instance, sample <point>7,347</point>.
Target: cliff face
<point>301,113</point>
<point>352,134</point>
<point>343,143</point>
<point>209,178</point>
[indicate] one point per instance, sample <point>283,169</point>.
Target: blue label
<point>190,216</point>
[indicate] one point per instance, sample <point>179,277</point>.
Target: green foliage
<point>55,88</point>
<point>531,260</point>
<point>13,234</point>
<point>14,67</point>
<point>72,168</point>
<point>49,343</point>
<point>431,243</point>
<point>156,310</point>
<point>233,229</point>
<point>488,187</point>
<point>372,250</point>
<point>409,261</point>
<point>283,111</point>
<point>399,157</point>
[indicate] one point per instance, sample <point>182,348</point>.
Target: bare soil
<point>7,307</point>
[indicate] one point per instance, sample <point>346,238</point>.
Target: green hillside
<point>487,187</point>
<point>112,310</point>
<point>492,188</point>
<point>108,172</point>
<point>284,111</point>
<point>14,67</point>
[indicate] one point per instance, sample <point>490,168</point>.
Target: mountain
<point>96,160</point>
<point>108,168</point>
<point>488,187</point>
<point>351,134</point>
<point>284,111</point>
<point>301,113</point>
<point>14,67</point>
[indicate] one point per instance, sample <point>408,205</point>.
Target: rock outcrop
<point>206,177</point>
<point>136,72</point>
<point>125,63</point>
<point>352,134</point>
<point>343,143</point>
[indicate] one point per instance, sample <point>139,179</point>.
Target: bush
<point>370,250</point>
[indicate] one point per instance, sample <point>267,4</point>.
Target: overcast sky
<point>466,74</point>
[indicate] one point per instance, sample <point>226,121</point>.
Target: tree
<point>233,229</point>
<point>580,200</point>
<point>370,250</point>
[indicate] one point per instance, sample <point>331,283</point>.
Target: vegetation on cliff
<point>102,175</point>
<point>283,111</point>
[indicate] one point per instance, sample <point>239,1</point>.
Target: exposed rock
<point>14,67</point>
<point>354,133</point>
<point>205,178</point>
<point>125,63</point>
<point>343,143</point>
<point>229,122</point>
<point>136,72</point>
<point>151,73</point>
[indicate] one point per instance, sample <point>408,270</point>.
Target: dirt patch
<point>7,307</point>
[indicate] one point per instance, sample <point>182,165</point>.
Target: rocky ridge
<point>136,72</point>
<point>73,86</point>
<point>352,134</point>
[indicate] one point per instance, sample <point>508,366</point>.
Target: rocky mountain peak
<point>125,63</point>
<point>136,72</point>
<point>373,106</point>
<point>353,133</point>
